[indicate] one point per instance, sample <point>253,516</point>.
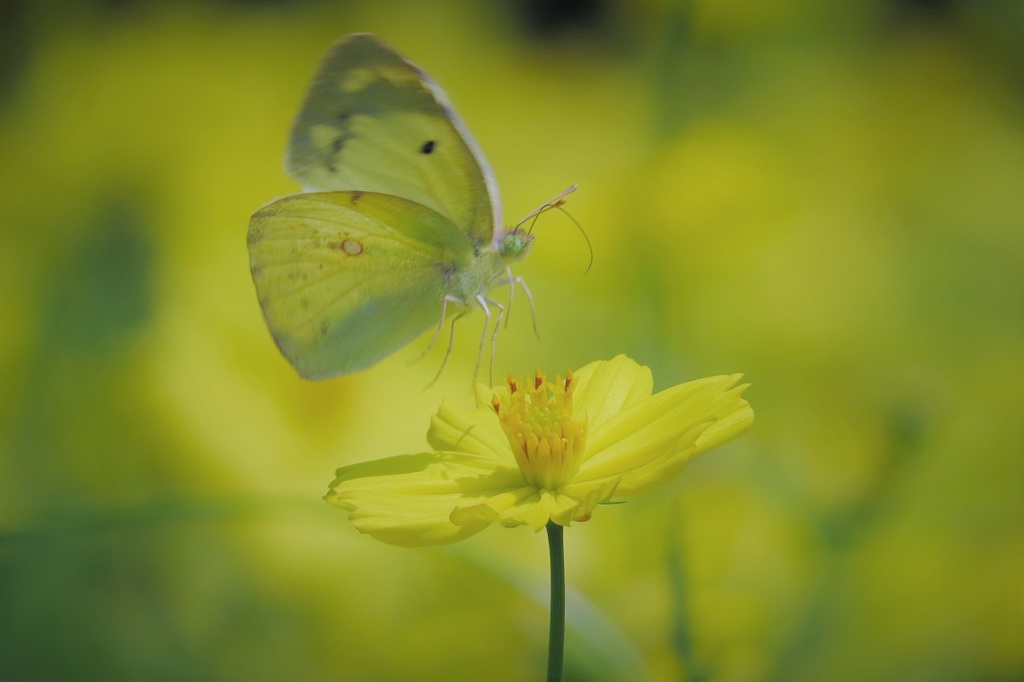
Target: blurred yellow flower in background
<point>536,451</point>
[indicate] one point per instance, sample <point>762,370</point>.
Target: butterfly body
<point>399,226</point>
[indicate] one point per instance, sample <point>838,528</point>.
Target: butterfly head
<point>514,244</point>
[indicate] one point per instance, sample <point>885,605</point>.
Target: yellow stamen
<point>547,439</point>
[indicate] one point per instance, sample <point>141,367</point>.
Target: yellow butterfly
<point>400,221</point>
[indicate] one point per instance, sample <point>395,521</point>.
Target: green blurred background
<point>825,195</point>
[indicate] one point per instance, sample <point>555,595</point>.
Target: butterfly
<point>399,224</point>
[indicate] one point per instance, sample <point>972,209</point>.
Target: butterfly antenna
<point>546,206</point>
<point>559,203</point>
<point>586,238</point>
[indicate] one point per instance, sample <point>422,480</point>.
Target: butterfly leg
<point>512,281</point>
<point>451,335</point>
<point>486,304</point>
<point>451,343</point>
<point>437,332</point>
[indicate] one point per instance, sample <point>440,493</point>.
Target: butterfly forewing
<point>372,121</point>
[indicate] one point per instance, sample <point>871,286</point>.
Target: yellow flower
<point>536,450</point>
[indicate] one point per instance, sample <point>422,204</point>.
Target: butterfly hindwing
<point>347,278</point>
<point>372,121</point>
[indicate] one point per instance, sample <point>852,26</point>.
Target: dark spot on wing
<point>355,196</point>
<point>428,147</point>
<point>331,168</point>
<point>338,144</point>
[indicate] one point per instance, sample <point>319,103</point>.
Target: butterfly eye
<point>514,245</point>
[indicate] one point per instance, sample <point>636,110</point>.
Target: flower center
<point>546,438</point>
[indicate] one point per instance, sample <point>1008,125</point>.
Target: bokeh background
<point>827,196</point>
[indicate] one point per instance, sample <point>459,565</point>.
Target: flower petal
<point>646,445</point>
<point>607,387</point>
<point>589,495</point>
<point>529,506</point>
<point>492,508</point>
<point>475,431</point>
<point>538,508</point>
<point>409,500</point>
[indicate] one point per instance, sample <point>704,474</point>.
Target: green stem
<point>556,632</point>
